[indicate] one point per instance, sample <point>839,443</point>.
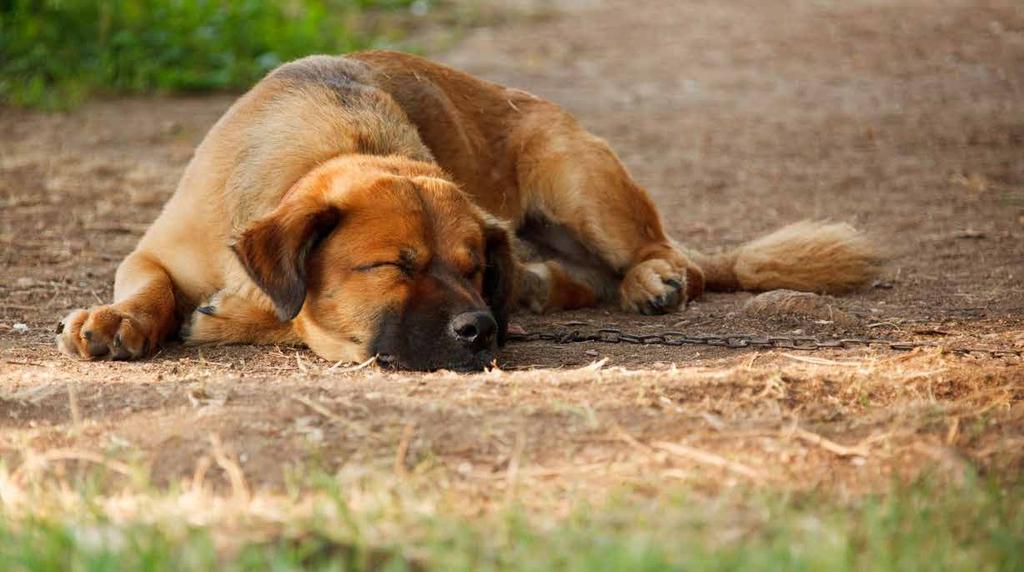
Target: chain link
<point>738,341</point>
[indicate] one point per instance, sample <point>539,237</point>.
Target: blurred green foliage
<point>54,53</point>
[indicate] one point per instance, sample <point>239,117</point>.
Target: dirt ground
<point>906,121</point>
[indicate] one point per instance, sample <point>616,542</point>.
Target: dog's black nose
<point>475,330</point>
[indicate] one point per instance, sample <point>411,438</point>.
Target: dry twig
<point>72,455</point>
<point>234,472</point>
<point>711,459</point>
<point>512,474</point>
<point>829,445</point>
<point>316,407</point>
<point>691,454</point>
<point>357,367</point>
<point>403,450</point>
<point>76,414</point>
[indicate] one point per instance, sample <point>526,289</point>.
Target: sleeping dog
<point>383,204</point>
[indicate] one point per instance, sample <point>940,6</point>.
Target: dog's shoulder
<point>347,79</point>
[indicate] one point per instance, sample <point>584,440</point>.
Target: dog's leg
<point>574,179</point>
<point>237,318</point>
<point>142,315</point>
<point>550,286</point>
<point>554,271</point>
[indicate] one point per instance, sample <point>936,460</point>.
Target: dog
<point>381,204</point>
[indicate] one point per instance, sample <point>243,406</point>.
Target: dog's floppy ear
<point>499,274</point>
<point>275,248</point>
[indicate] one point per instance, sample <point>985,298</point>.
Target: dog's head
<point>385,256</point>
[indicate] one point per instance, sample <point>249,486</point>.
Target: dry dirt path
<point>738,117</point>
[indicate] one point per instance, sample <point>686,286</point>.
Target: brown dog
<point>382,204</point>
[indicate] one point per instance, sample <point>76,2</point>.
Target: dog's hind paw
<point>653,287</point>
<point>230,317</point>
<point>202,325</point>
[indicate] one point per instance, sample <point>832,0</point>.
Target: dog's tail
<point>810,256</point>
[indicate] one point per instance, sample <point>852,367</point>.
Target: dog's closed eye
<point>406,262</point>
<point>407,270</point>
<point>381,264</point>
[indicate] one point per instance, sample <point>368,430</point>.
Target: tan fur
<point>343,191</point>
<point>810,256</point>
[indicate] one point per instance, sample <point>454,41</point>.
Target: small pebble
<point>20,328</point>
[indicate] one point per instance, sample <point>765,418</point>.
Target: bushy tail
<point>808,255</point>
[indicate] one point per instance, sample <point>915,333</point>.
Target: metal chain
<point>737,341</point>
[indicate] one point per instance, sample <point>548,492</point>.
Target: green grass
<point>925,526</point>
<point>55,53</point>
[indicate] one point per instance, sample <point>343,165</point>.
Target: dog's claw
<point>666,302</point>
<point>653,307</point>
<point>119,352</point>
<point>96,348</point>
<point>653,287</point>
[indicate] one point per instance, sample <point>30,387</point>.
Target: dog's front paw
<point>103,331</point>
<point>653,287</point>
